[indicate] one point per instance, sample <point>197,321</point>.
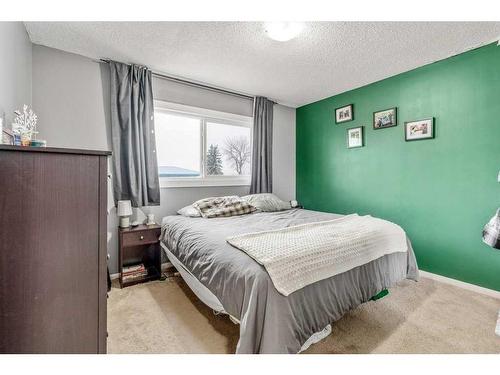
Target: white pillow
<point>267,202</point>
<point>189,211</point>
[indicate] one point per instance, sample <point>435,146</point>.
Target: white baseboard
<point>164,266</point>
<point>461,284</point>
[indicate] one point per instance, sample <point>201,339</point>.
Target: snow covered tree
<point>237,152</point>
<point>214,161</point>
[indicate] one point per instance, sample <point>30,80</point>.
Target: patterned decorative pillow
<point>223,206</point>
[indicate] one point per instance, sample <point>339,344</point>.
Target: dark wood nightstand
<point>140,245</point>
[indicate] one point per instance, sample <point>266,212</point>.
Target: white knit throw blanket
<point>300,255</point>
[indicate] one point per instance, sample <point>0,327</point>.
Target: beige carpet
<point>423,317</point>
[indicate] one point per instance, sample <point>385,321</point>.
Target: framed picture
<point>344,114</point>
<point>355,137</point>
<point>7,137</point>
<point>419,129</point>
<point>385,118</point>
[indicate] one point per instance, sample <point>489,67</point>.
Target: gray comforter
<point>269,321</point>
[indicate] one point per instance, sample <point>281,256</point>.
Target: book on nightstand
<point>134,272</point>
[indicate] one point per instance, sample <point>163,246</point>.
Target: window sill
<point>172,182</point>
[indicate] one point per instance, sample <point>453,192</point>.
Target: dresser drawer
<point>140,237</point>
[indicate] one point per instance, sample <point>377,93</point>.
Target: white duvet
<point>297,256</point>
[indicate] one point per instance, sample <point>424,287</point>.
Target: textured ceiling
<point>326,59</point>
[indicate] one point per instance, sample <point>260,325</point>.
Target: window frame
<point>205,116</point>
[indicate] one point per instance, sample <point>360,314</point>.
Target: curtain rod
<point>195,84</point>
<point>201,85</point>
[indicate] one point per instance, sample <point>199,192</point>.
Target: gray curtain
<point>262,155</point>
<point>132,128</point>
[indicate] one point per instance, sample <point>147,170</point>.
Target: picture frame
<point>418,130</point>
<point>7,137</point>
<point>386,118</point>
<point>355,137</point>
<point>344,114</point>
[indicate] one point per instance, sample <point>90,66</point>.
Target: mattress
<point>269,321</point>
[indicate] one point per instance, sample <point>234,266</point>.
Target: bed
<point>231,282</point>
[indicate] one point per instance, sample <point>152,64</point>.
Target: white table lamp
<point>124,211</point>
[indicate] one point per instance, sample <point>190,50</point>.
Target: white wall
<point>71,97</point>
<point>284,152</point>
<point>15,69</point>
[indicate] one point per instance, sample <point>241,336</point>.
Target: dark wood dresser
<point>53,226</point>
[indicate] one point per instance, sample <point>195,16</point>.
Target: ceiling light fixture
<point>283,31</point>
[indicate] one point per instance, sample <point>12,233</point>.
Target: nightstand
<point>138,246</point>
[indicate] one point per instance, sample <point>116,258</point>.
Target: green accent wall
<point>441,191</point>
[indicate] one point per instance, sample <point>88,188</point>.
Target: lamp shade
<point>124,208</point>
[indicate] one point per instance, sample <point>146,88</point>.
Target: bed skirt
<point>209,299</point>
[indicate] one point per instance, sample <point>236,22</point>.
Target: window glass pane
<point>228,150</point>
<point>177,145</point>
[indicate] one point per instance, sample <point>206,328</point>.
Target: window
<point>178,145</point>
<point>197,147</point>
<point>228,149</point>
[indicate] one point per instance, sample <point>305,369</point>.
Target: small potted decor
<point>24,126</point>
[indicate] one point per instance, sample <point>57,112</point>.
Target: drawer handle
<point>141,237</point>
